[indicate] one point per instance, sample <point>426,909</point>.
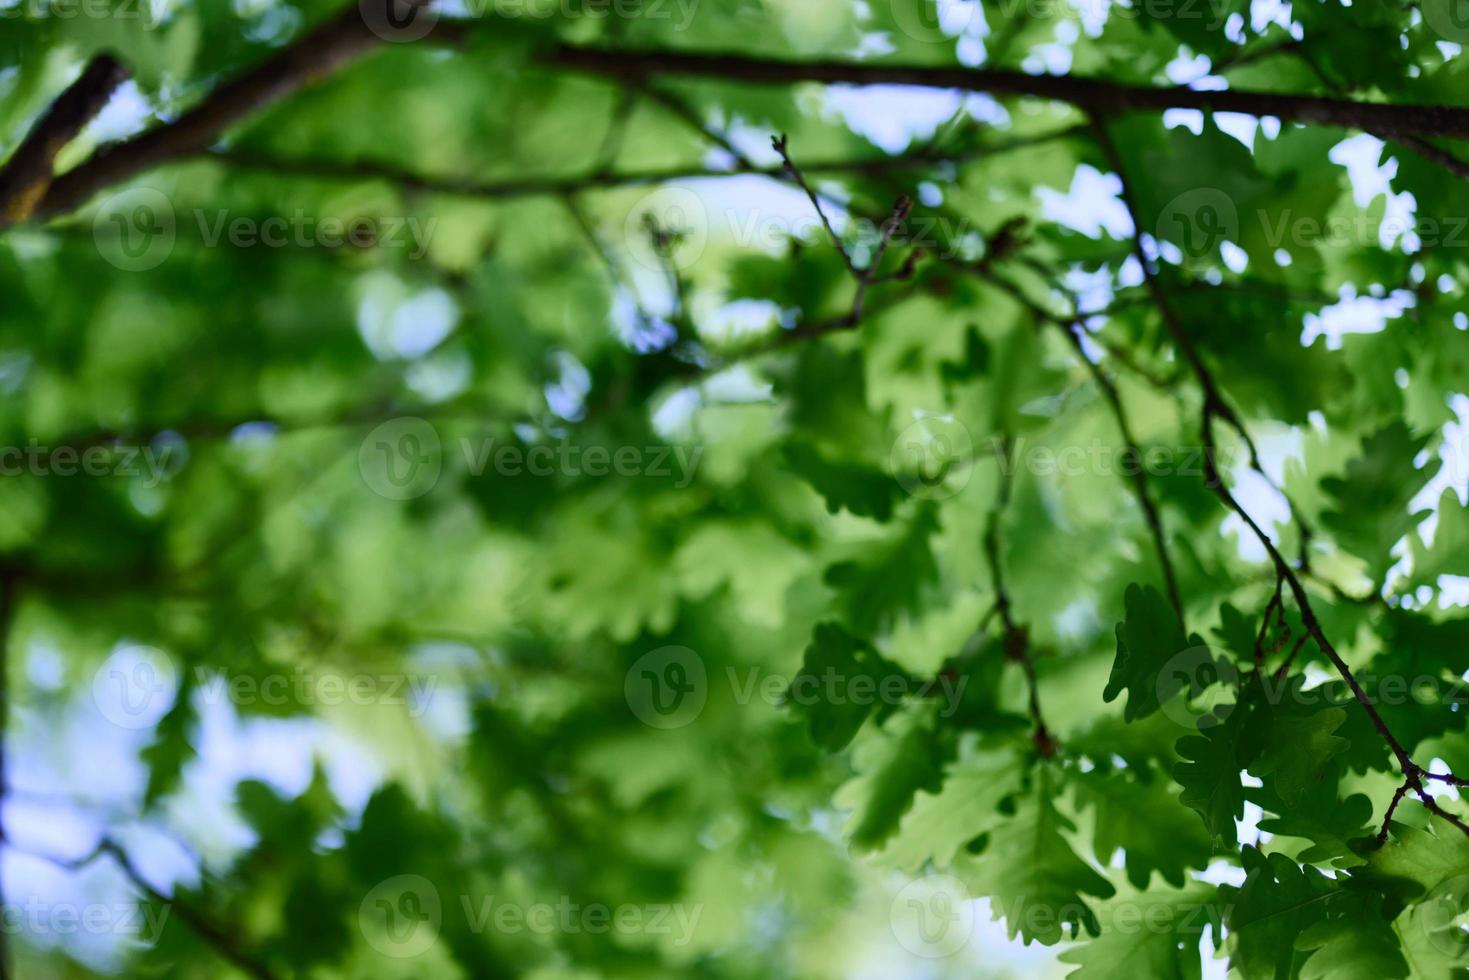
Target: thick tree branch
<point>1428,151</point>
<point>314,55</point>
<point>1091,94</point>
<point>344,37</point>
<point>28,173</point>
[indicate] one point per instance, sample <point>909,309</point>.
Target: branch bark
<point>345,37</point>
<point>599,180</point>
<point>28,173</point>
<point>315,55</point>
<point>1091,94</point>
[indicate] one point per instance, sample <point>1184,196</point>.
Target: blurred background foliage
<point>553,303</point>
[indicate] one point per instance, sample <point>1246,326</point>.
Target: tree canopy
<point>733,488</point>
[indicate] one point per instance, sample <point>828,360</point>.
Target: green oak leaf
<point>828,689</point>
<point>1169,843</point>
<point>1031,874</point>
<point>1148,638</point>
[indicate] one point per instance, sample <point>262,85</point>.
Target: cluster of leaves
<point>1157,715</point>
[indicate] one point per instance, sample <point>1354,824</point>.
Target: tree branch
<point>224,944</point>
<point>596,179</point>
<point>1072,329</point>
<point>779,143</point>
<point>1016,641</point>
<point>315,55</point>
<point>1215,406</point>
<point>1091,94</point>
<point>28,173</point>
<point>345,37</point>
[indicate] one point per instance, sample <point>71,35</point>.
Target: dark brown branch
<point>866,276</point>
<point>28,173</point>
<point>1431,805</point>
<point>1091,94</point>
<point>1214,400</point>
<point>1391,809</point>
<point>1411,770</point>
<point>345,37</point>
<point>1428,151</point>
<point>315,55</point>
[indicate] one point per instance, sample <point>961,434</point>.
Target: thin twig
<point>1272,607</point>
<point>1391,809</point>
<point>1215,406</point>
<point>1072,329</point>
<point>1284,669</point>
<point>1016,640</point>
<point>780,143</point>
<point>224,944</point>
